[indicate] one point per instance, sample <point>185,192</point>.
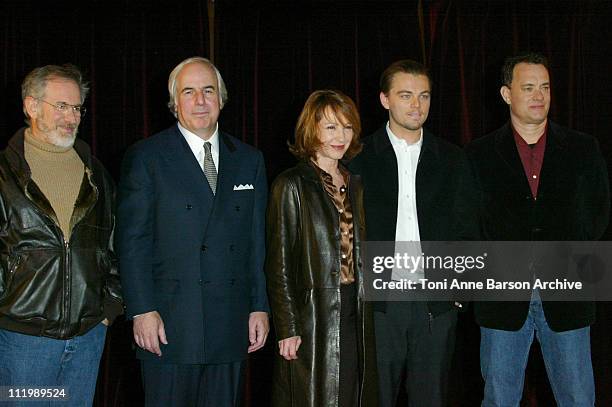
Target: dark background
<point>272,54</point>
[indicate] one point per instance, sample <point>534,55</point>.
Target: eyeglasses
<point>62,107</point>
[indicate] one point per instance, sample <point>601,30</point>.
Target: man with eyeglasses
<point>59,287</point>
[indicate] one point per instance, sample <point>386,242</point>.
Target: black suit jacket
<point>444,193</point>
<point>572,204</point>
<point>195,257</point>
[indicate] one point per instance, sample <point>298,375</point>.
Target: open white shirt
<point>407,228</point>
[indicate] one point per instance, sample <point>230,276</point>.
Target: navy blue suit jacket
<point>195,257</point>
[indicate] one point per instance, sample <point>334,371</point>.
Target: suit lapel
<point>508,153</point>
<point>184,168</point>
<point>388,167</point>
<point>552,166</point>
<point>428,174</point>
<point>228,168</point>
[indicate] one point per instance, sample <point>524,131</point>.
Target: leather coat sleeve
<point>134,237</point>
<point>113,299</point>
<point>282,230</point>
<point>3,249</point>
<point>259,299</point>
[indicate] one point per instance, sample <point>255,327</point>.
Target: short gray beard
<point>64,142</point>
<point>58,141</point>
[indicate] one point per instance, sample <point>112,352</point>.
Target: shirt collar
<point>521,143</point>
<point>196,142</point>
<point>396,141</point>
<point>324,175</point>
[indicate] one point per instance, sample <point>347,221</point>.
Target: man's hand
<point>288,347</point>
<point>258,330</point>
<point>106,322</point>
<point>149,331</point>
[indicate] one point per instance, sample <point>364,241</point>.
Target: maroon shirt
<point>532,157</point>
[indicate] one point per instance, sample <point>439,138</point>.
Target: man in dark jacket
<point>538,181</point>
<point>416,188</point>
<point>59,287</point>
<point>190,236</point>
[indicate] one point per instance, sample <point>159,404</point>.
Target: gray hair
<point>35,82</point>
<point>175,72</point>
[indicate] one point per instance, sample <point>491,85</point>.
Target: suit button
<point>188,207</point>
<point>528,197</point>
<point>231,248</point>
<point>200,282</point>
<point>237,208</point>
<point>536,230</point>
<point>204,247</point>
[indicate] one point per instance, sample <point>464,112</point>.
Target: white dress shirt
<point>196,143</point>
<point>407,228</point>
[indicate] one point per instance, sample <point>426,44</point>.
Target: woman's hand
<point>288,347</point>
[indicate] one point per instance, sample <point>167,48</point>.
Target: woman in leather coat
<point>314,228</point>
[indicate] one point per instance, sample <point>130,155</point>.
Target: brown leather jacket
<point>50,287</point>
<point>303,277</point>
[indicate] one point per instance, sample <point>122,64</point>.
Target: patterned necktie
<point>209,168</point>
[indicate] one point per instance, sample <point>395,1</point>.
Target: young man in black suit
<point>416,188</point>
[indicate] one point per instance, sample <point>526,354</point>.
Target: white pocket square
<point>243,187</point>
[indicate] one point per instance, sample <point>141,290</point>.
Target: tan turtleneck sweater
<point>58,172</point>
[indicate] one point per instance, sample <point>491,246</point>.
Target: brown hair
<point>534,58</point>
<point>402,66</point>
<point>307,140</point>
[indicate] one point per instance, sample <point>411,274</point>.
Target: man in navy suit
<point>191,240</point>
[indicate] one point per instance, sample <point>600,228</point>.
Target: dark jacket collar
<point>556,140</point>
<point>504,138</point>
<point>16,157</point>
<point>307,171</point>
<point>382,143</point>
<point>224,137</point>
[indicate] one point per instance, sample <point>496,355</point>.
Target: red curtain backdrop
<point>272,54</point>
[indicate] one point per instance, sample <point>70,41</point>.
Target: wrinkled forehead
<point>62,89</point>
<point>196,73</point>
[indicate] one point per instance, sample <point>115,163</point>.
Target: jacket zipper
<point>67,293</point>
<point>66,246</point>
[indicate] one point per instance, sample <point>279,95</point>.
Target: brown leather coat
<point>50,286</point>
<point>303,277</point>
